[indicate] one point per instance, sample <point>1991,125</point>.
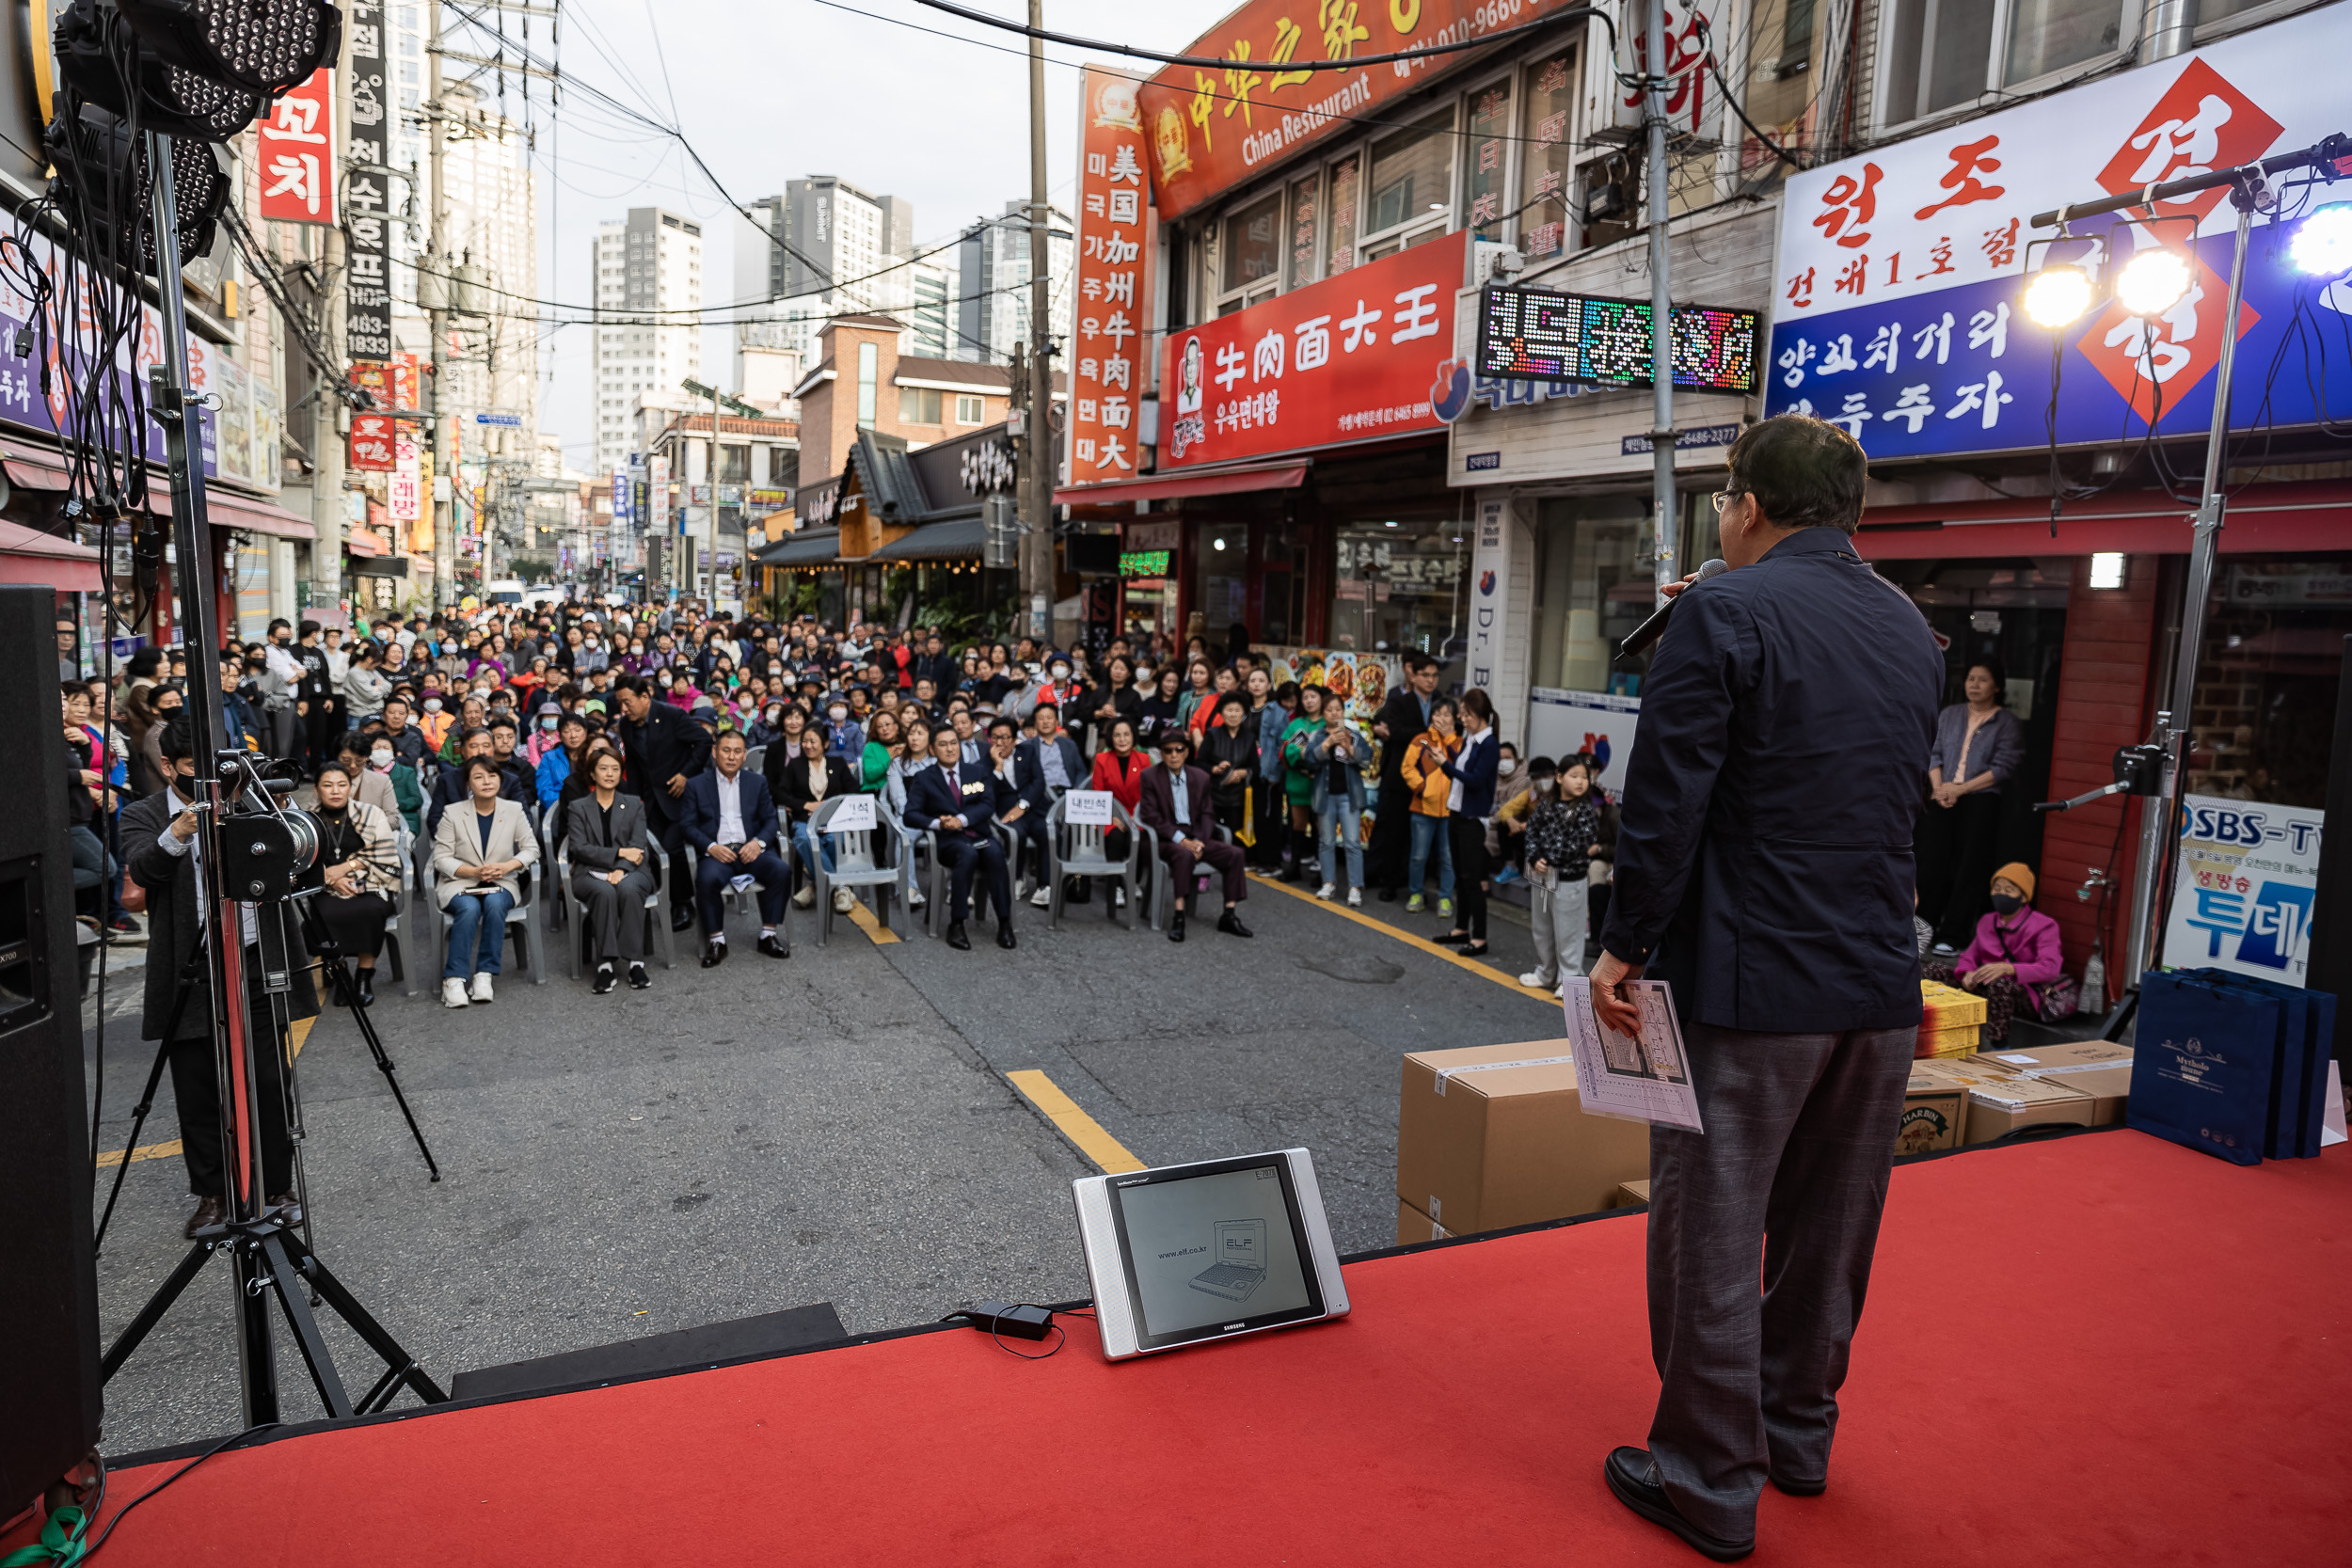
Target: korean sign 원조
<point>2242,901</point>
<point>1355,356</point>
<point>296,143</point>
<point>1113,279</point>
<point>1896,306</point>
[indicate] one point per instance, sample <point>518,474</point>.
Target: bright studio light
<point>2153,282</point>
<point>2323,246</point>
<point>2058,296</point>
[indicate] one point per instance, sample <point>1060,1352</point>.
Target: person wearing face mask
<point>1506,829</point>
<point>845,738</point>
<point>379,761</point>
<point>2015,961</point>
<point>438,720</point>
<point>545,735</point>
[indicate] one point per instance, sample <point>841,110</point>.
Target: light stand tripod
<point>320,940</point>
<point>264,1256</point>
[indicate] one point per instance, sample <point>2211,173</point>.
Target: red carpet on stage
<point>2102,1349</point>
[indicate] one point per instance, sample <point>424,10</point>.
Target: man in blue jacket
<point>956,801</point>
<point>730,818</point>
<point>1763,869</point>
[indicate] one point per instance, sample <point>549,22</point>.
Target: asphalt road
<point>837,1127</point>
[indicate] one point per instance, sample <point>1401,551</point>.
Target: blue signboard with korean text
<point>1897,309</point>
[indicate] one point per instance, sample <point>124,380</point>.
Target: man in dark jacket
<point>1045,768</point>
<point>729,816</point>
<point>1403,717</point>
<point>957,801</point>
<point>159,847</point>
<point>1764,871</point>
<point>1173,801</point>
<point>664,748</point>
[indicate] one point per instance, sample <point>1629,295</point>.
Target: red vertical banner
<point>1111,353</point>
<point>297,153</point>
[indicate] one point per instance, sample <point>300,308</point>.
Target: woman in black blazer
<point>1473,771</point>
<point>810,780</point>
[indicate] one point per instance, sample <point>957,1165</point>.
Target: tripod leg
<point>384,1065</point>
<point>404,1366</point>
<point>138,1121</point>
<point>152,1313</point>
<point>293,1294</point>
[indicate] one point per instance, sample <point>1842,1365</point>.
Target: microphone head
<point>1711,568</point>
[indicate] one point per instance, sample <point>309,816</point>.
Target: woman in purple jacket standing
<point>2014,963</point>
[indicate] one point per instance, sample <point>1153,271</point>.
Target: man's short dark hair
<point>1416,661</point>
<point>1004,724</point>
<point>504,722</point>
<point>634,685</point>
<point>179,738</point>
<point>307,628</point>
<point>1803,471</point>
<point>1054,708</point>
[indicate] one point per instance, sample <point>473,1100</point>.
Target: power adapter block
<point>1011,1321</point>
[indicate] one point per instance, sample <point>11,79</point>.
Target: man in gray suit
<point>1764,871</point>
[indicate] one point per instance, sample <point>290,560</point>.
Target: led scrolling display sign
<point>1540,334</point>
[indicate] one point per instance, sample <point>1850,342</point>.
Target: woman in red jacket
<point>1118,767</point>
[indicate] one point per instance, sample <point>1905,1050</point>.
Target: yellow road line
<point>297,1034</point>
<point>145,1152</point>
<point>862,918</point>
<point>1436,950</point>
<point>1107,1152</point>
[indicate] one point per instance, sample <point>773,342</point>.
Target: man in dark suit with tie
<point>1173,801</point>
<point>664,748</point>
<point>957,801</point>
<point>1402,716</point>
<point>1764,871</point>
<point>729,816</point>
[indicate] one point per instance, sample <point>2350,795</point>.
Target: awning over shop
<point>1236,480</point>
<point>956,540</point>
<point>815,547</point>
<point>2292,517</point>
<point>362,543</point>
<point>44,469</point>
<point>30,557</point>
<point>34,468</point>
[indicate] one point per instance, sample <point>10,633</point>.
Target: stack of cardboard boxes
<point>1950,1020</point>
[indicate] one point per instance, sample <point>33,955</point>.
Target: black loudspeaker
<point>49,1382</point>
<point>2330,968</point>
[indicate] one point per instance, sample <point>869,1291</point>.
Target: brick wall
<point>2104,701</point>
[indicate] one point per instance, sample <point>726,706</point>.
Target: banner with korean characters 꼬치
<point>2242,900</point>
<point>1896,310</point>
<point>1351,359</point>
<point>1113,279</point>
<point>296,142</point>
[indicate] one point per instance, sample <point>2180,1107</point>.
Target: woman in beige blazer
<point>478,853</point>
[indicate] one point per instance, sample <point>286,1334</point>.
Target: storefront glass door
<point>1396,584</point>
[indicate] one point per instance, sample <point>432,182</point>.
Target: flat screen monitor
<point>1185,1253</point>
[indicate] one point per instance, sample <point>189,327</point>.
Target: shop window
<point>1593,583</point>
<point>1487,162</point>
<point>1547,156</point>
<point>2266,679</point>
<point>919,406</point>
<point>1346,188</point>
<point>1783,79</point>
<point>735,465</point>
<point>1396,584</point>
<point>1412,176</point>
<point>970,409</point>
<point>1305,215</point>
<point>1942,56</point>
<point>868,365</point>
<point>1253,244</point>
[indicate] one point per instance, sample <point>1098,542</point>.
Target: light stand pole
<point>1668,515</point>
<point>1036,527</point>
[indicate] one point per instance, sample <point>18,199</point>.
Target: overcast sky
<point>770,91</point>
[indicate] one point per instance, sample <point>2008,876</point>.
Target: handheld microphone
<point>1641,637</point>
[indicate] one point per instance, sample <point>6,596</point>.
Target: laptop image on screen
<point>1240,1266</point>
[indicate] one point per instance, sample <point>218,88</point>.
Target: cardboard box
<point>1946,1007</point>
<point>1935,1114</point>
<point>1632,1193</point>
<point>1958,1040</point>
<point>1483,1146</point>
<point>2001,1100</point>
<point>2099,1068</point>
<point>1413,1227</point>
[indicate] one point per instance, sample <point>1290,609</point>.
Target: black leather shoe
<point>638,978</point>
<point>210,1211</point>
<point>1633,1477</point>
<point>1176,926</point>
<point>1452,937</point>
<point>680,919</point>
<point>1004,935</point>
<point>604,981</point>
<point>955,937</point>
<point>773,947</point>
<point>1229,923</point>
<point>1795,1488</point>
<point>288,1211</point>
<point>714,954</point>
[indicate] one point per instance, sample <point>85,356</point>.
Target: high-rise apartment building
<point>649,277</point>
<point>994,268</point>
<point>825,248</point>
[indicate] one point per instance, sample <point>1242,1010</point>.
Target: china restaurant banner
<point>1896,310</point>
<point>1113,279</point>
<point>1211,130</point>
<point>1351,359</point>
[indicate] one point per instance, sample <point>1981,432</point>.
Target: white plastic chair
<point>1164,894</point>
<point>856,863</point>
<point>657,916</point>
<point>523,916</point>
<point>1078,850</point>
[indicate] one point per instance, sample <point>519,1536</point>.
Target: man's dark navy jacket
<point>1763,863</point>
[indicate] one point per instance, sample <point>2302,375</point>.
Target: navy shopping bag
<point>2204,1065</point>
<point>2299,1094</point>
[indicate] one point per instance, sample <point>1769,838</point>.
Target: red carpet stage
<point>2101,1349</point>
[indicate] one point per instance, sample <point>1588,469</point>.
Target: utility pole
<point>436,261</point>
<point>1666,513</point>
<point>710,606</point>
<point>1036,527</point>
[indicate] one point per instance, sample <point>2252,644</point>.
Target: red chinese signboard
<point>1113,279</point>
<point>372,441</point>
<point>296,142</point>
<point>1211,130</point>
<point>1346,360</point>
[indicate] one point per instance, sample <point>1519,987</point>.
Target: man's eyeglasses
<point>1723,498</point>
